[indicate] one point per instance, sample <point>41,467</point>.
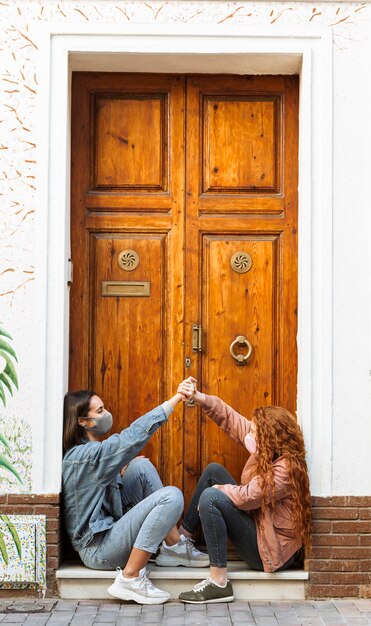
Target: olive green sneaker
<point>207,592</point>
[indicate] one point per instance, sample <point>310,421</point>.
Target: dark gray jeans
<point>221,519</point>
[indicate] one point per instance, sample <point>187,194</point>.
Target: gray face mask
<point>101,424</point>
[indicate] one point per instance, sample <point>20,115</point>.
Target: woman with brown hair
<point>268,516</point>
<point>116,509</point>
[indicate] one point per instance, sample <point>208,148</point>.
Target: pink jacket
<point>277,536</point>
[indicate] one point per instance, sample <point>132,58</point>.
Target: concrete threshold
<point>75,581</point>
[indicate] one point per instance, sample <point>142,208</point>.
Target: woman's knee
<point>211,497</point>
<point>212,468</point>
<point>207,497</point>
<point>143,465</point>
<point>174,497</point>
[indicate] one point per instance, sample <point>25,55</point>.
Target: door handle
<point>197,338</point>
<point>241,359</point>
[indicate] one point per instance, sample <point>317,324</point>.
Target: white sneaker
<point>141,589</point>
<point>182,553</point>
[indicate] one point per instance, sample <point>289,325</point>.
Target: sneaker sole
<point>126,594</point>
<point>164,561</point>
<point>216,600</point>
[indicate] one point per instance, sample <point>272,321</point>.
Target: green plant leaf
<point>9,466</point>
<point>2,394</point>
<point>10,369</point>
<point>3,551</point>
<point>5,380</point>
<point>5,334</point>
<point>5,346</point>
<point>14,534</point>
<point>5,442</point>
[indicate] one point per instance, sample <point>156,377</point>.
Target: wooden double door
<point>184,250</point>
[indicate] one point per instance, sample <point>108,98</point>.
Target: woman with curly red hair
<point>268,516</point>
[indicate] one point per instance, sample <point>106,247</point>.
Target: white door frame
<point>185,49</point>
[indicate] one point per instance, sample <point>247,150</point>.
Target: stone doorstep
<point>76,581</point>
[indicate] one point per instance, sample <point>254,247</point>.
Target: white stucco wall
<point>21,296</point>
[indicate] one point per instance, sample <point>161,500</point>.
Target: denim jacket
<point>91,477</point>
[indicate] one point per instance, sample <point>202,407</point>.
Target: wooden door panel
<point>235,304</point>
<point>129,197</point>
<point>236,202</point>
<point>124,155</point>
<point>241,144</point>
<point>128,334</point>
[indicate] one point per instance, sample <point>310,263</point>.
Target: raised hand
<point>187,388</point>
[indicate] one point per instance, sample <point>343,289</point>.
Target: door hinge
<point>69,272</point>
<point>197,338</point>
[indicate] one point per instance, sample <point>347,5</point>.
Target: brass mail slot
<point>125,288</point>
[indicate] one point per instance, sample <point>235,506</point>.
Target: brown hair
<point>76,404</point>
<point>278,435</point>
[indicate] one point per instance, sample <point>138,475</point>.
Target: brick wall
<point>32,504</point>
<point>340,563</point>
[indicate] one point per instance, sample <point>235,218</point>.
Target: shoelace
<point>146,584</point>
<point>203,584</point>
<point>190,548</point>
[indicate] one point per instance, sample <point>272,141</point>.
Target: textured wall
<point>20,81</point>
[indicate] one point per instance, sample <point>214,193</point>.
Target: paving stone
<point>109,606</point>
<point>152,608</point>
<point>82,620</point>
<point>127,608</point>
<point>174,609</point>
<point>105,618</point>
<point>148,618</point>
<point>261,611</point>
<point>37,620</point>
<point>352,621</point>
<point>173,620</point>
<point>218,609</point>
<point>66,605</point>
<point>238,605</point>
<point>194,619</point>
<point>15,617</point>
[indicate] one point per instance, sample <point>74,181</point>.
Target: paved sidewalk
<point>100,613</point>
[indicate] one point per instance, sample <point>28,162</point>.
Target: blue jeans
<point>150,512</point>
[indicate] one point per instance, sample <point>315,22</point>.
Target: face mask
<point>250,443</point>
<point>102,424</point>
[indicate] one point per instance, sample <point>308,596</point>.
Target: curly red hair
<point>278,435</point>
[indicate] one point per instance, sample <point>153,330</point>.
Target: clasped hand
<point>187,388</point>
